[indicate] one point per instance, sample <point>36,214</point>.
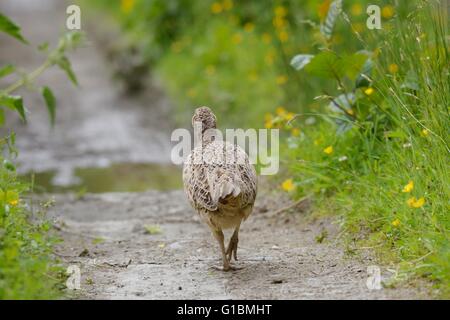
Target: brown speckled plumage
<point>220,183</point>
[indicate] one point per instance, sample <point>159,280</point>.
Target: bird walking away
<point>220,183</point>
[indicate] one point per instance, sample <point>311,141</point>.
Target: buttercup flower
<point>248,27</point>
<point>280,11</point>
<point>216,8</point>
<point>280,111</point>
<point>227,4</point>
<point>328,150</point>
<point>415,203</point>
<point>127,5</point>
<point>283,36</point>
<point>289,116</point>
<point>424,133</point>
<point>356,9</point>
<point>369,91</point>
<point>288,185</point>
<point>393,68</point>
<point>387,11</point>
<point>409,187</point>
<point>396,223</point>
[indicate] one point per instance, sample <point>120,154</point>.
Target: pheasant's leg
<point>218,234</point>
<point>233,245</point>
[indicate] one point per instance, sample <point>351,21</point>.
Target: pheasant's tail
<point>225,189</point>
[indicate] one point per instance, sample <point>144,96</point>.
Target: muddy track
<point>104,234</point>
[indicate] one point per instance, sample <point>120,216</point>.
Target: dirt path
<point>104,234</point>
<point>280,259</point>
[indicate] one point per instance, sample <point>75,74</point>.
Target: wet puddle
<point>123,177</point>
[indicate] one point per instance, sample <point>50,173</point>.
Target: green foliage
<point>10,28</point>
<point>28,269</point>
<point>396,149</point>
<point>50,101</point>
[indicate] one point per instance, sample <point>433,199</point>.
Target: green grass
<point>406,140</point>
<point>28,269</point>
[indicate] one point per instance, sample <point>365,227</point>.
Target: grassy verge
<point>28,270</point>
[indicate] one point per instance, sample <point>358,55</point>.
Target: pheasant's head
<point>206,117</point>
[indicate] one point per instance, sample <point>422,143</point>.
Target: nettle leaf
<point>326,64</point>
<point>14,103</point>
<point>6,70</point>
<point>354,64</point>
<point>65,65</point>
<point>333,12</point>
<point>50,101</point>
<point>11,28</point>
<point>299,61</point>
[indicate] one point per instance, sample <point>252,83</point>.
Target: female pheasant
<point>219,182</point>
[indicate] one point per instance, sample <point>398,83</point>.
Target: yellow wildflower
<point>356,9</point>
<point>268,124</point>
<point>289,116</point>
<point>279,22</point>
<point>424,133</point>
<point>13,202</point>
<point>127,5</point>
<point>369,91</point>
<point>281,80</point>
<point>280,11</point>
<point>237,38</point>
<point>283,36</point>
<point>280,111</point>
<point>295,132</point>
<point>328,150</point>
<point>396,223</point>
<point>387,11</point>
<point>266,38</point>
<point>227,4</point>
<point>393,68</point>
<point>216,8</point>
<point>409,187</point>
<point>249,27</point>
<point>413,202</point>
<point>288,185</point>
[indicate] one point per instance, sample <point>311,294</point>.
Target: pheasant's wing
<point>196,184</point>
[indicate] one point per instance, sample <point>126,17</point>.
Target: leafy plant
<point>28,268</point>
